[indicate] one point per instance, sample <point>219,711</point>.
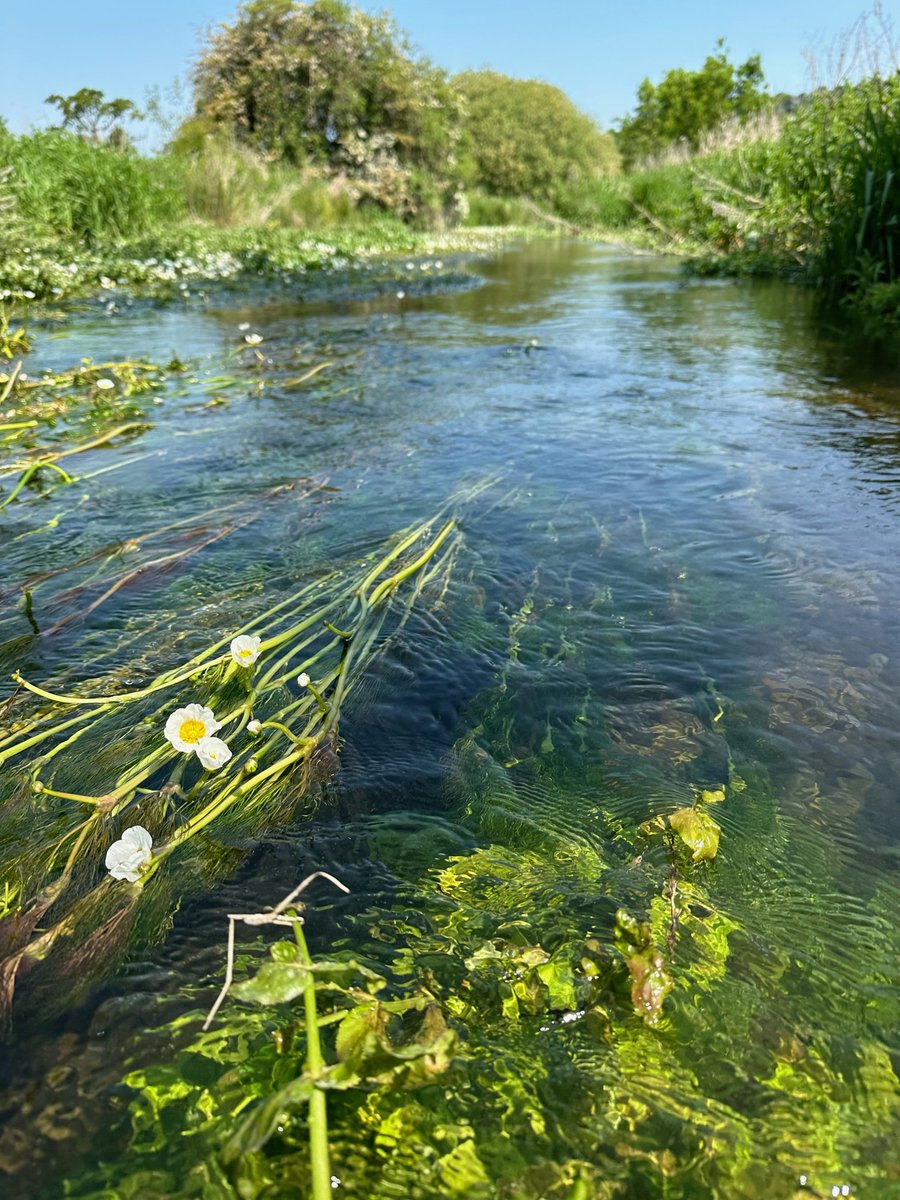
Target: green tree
<point>527,138</point>
<point>686,104</point>
<point>93,118</point>
<point>327,84</point>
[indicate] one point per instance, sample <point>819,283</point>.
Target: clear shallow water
<point>686,578</point>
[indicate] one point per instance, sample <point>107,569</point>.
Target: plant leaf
<point>698,831</point>
<point>274,983</point>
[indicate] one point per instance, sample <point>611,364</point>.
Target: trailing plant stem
<point>320,1165</point>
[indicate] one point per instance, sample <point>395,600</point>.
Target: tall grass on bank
<point>820,203</point>
<point>231,185</point>
<point>833,201</point>
<point>726,138</point>
<point>63,187</point>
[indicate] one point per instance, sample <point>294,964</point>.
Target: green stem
<point>29,473</point>
<point>427,554</point>
<point>320,1165</point>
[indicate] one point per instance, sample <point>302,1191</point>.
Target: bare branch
<point>272,916</point>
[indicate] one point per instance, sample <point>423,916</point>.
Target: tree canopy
<point>527,138</point>
<point>686,104</point>
<point>325,83</point>
<point>94,118</point>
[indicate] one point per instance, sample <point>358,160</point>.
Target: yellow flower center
<point>192,730</point>
<point>245,653</point>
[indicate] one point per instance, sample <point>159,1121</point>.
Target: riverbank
<point>175,259</point>
<point>815,201</point>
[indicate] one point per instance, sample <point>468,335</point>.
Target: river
<point>684,577</point>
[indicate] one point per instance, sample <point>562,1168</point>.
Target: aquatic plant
<point>166,771</point>
<point>13,341</point>
<point>175,261</point>
<point>48,415</point>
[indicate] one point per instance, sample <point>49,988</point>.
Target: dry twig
<point>274,916</point>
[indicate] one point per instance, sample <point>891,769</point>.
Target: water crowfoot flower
<point>188,726</point>
<point>303,680</point>
<point>245,650</point>
<point>254,726</point>
<point>253,339</point>
<point>105,385</point>
<point>130,856</point>
<point>213,753</point>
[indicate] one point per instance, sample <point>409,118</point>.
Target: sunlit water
<point>691,546</point>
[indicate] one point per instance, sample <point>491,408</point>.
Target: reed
<point>63,187</point>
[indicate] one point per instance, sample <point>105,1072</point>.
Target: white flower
<point>254,726</point>
<point>252,339</point>
<point>400,295</point>
<point>213,753</point>
<point>186,727</point>
<point>130,856</point>
<point>104,384</point>
<point>303,680</point>
<point>244,326</point>
<point>245,650</point>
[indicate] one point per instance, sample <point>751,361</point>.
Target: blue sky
<point>597,50</point>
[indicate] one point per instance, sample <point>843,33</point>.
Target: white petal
<point>138,837</point>
<point>125,860</point>
<point>196,712</point>
<point>213,753</point>
<point>191,712</point>
<point>245,650</point>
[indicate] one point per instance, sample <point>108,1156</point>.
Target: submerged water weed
<point>47,415</point>
<point>102,402</point>
<point>246,781</point>
<point>624,1017</point>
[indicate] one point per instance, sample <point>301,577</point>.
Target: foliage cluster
<point>820,202</point>
<point>559,991</point>
<point>833,197</point>
<point>687,104</point>
<point>328,84</point>
<point>60,186</point>
<point>89,114</point>
<point>527,138</point>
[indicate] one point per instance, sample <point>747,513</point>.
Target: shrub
<point>329,85</point>
<point>834,197</point>
<point>526,138</point>
<point>686,104</point>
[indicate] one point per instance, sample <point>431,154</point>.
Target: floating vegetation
<point>173,262</point>
<point>108,400</point>
<point>43,416</point>
<point>133,776</point>
<point>14,340</point>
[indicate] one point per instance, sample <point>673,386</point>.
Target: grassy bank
<point>78,218</point>
<point>812,196</point>
<point>816,200</point>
